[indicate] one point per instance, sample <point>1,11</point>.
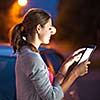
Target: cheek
<point>45,38</point>
<point>42,36</point>
<point>46,34</point>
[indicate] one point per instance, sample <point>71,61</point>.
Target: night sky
<point>48,5</point>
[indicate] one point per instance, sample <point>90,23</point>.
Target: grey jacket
<point>32,80</point>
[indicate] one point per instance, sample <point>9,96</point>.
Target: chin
<point>46,42</point>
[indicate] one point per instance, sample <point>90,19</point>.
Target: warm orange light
<point>22,2</point>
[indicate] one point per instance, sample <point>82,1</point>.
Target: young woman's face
<point>46,32</point>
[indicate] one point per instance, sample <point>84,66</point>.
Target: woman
<point>32,75</point>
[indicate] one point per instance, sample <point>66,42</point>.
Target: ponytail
<point>17,37</point>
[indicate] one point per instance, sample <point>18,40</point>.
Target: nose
<point>53,30</point>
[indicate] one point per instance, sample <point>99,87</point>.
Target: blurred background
<point>77,23</point>
<point>76,20</point>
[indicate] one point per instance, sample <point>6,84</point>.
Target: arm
<point>38,74</point>
<point>79,70</point>
<point>43,86</point>
<point>68,81</point>
<point>67,63</point>
<point>65,66</point>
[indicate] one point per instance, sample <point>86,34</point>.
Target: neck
<point>36,42</point>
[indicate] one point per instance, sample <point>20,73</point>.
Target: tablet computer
<point>87,53</point>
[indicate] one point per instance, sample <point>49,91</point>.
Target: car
<point>85,88</point>
<point>52,58</point>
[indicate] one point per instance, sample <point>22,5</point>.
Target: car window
<point>55,58</point>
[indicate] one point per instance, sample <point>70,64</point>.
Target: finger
<point>77,57</point>
<point>87,62</point>
<point>79,50</point>
<point>86,67</point>
<point>86,71</point>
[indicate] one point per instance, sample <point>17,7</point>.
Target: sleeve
<point>39,76</point>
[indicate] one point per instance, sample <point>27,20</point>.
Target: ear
<point>38,28</point>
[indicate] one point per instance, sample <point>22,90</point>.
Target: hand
<point>69,61</point>
<point>74,57</point>
<point>82,68</point>
<point>78,51</point>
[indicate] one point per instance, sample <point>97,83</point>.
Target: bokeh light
<point>22,2</point>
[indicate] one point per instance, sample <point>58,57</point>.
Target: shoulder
<point>30,61</point>
<point>30,56</point>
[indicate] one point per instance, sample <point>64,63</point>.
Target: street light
<point>22,2</point>
<point>15,12</point>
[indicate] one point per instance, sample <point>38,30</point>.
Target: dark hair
<point>32,18</point>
